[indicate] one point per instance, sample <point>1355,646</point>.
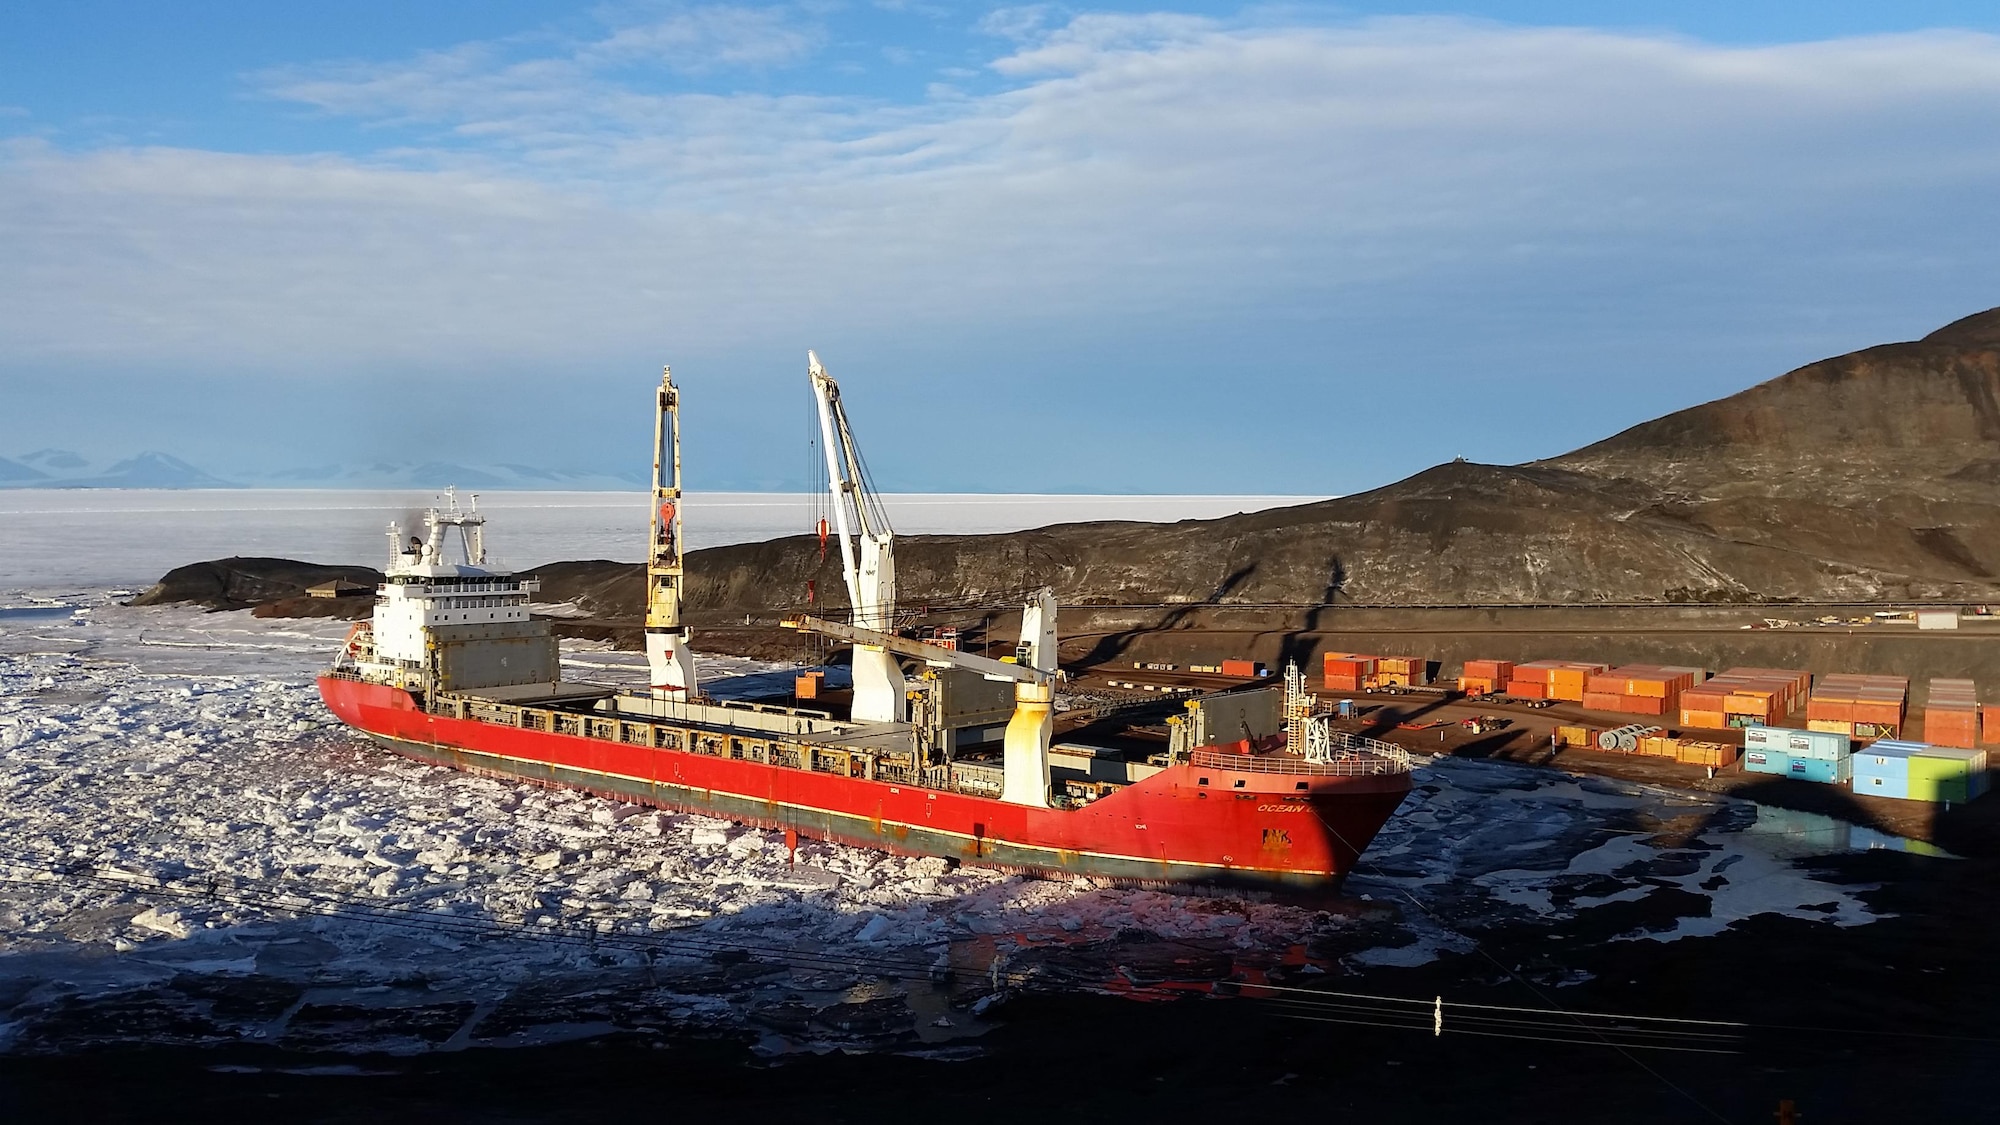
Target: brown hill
<point>1869,476</point>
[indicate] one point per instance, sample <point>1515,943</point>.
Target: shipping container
<point>1819,770</point>
<point>1242,669</point>
<point>1918,771</point>
<point>808,684</point>
<point>1882,785</point>
<point>1575,736</point>
<point>1703,720</point>
<point>1989,722</point>
<point>1495,671</point>
<point>1527,689</point>
<point>1713,754</point>
<point>1476,685</point>
<point>1798,743</point>
<point>1536,671</point>
<point>1567,682</point>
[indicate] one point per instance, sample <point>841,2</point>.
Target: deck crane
<point>867,558</point>
<point>1033,671</point>
<point>667,653</point>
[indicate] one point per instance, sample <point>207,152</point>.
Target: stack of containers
<point>1348,671</point>
<point>1484,677</point>
<point>1805,755</point>
<point>1918,771</point>
<point>1401,671</point>
<point>1744,697</point>
<point>1638,689</point>
<point>1951,715</point>
<point>1858,705</point>
<point>1531,680</point>
<point>1551,679</point>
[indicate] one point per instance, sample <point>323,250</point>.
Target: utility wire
<point>1523,982</point>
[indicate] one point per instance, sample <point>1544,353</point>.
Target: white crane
<point>667,653</point>
<point>1033,670</point>
<point>867,557</point>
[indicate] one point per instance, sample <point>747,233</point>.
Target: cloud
<point>533,198</point>
<point>705,38</point>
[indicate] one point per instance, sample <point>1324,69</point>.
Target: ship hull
<point>1184,825</point>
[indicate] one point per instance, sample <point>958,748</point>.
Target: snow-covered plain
<point>191,850</point>
<point>86,538</point>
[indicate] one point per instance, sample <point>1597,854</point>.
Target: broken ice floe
<point>184,823</point>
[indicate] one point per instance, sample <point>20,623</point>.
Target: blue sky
<point>1110,247</point>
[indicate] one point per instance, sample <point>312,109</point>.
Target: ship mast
<point>667,652</point>
<point>867,557</point>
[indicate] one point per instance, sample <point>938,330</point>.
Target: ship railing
<point>1360,757</point>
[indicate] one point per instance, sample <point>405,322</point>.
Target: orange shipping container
<point>1527,689</point>
<point>1240,668</point>
<point>1498,671</point>
<point>1704,720</point>
<point>1601,700</point>
<point>1342,683</point>
<point>1990,722</point>
<point>1475,685</point>
<point>1717,754</point>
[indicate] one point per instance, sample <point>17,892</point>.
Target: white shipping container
<point>1937,619</point>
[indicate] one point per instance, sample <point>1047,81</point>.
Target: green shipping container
<point>1942,773</point>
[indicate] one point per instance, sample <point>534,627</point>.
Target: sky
<point>1123,247</point>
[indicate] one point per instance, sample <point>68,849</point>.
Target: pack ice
<point>194,851</point>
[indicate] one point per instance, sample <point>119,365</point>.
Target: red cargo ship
<point>958,763</point>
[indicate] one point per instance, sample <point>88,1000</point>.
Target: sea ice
<point>175,800</point>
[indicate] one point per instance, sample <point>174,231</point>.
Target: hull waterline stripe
<point>907,827</point>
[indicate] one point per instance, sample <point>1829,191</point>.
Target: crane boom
<point>668,657</point>
<point>930,654</point>
<point>867,557</point>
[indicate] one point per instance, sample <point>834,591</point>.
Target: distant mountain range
<point>62,468</point>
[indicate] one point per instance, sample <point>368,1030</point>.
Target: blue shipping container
<point>1876,785</point>
<point>1821,770</point>
<point>1797,743</point>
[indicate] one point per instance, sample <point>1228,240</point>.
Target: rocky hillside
<point>1874,475</point>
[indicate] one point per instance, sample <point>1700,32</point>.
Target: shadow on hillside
<point>1112,646</point>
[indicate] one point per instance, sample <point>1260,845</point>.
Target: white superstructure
<point>425,590</point>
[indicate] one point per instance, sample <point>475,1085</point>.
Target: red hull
<point>1186,824</point>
